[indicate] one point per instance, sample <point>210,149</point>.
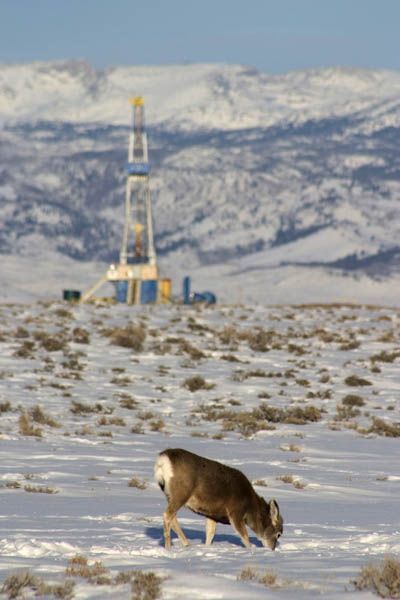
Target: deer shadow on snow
<point>194,535</point>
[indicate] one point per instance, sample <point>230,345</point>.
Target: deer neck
<point>252,517</point>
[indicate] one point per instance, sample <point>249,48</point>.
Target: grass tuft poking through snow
<point>383,579</point>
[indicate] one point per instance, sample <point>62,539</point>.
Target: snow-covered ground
<point>115,408</point>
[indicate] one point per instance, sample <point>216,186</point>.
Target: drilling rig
<point>136,277</point>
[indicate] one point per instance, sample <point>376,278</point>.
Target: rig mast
<point>137,240</point>
<point>135,277</point>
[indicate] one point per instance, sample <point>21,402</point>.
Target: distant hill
<point>250,172</point>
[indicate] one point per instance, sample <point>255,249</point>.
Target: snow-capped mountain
<point>249,171</point>
<point>193,96</point>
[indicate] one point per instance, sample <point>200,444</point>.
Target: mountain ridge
<point>201,93</point>
<point>248,169</point>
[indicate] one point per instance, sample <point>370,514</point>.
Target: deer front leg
<point>240,528</point>
<point>211,526</point>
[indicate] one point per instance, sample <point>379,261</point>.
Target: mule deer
<point>219,493</point>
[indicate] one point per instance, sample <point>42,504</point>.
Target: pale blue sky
<point>272,35</point>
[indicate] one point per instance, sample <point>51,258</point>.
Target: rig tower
<point>137,241</point>
<point>135,277</point>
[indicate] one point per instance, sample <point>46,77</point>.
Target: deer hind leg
<point>178,530</point>
<point>169,516</point>
<point>211,526</point>
<point>240,528</point>
<point>171,522</point>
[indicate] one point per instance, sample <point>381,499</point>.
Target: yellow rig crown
<point>137,101</point>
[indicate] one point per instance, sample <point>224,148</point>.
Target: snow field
<point>336,478</point>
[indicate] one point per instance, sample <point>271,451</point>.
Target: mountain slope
<point>251,170</point>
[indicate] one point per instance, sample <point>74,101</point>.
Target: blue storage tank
<point>121,290</point>
<point>148,291</point>
<point>186,290</point>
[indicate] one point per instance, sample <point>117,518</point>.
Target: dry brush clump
<point>194,325</point>
<point>296,349</point>
<point>72,361</point>
<point>25,350</point>
<point>39,416</point>
<point>382,579</point>
<point>290,448</point>
<point>137,428</point>
<point>356,381</point>
<point>213,411</point>
<point>26,427</point>
<point>63,313</point>
<point>262,418</point>
<point>299,485</point>
<point>85,430</point>
<point>137,483</point>
<point>5,406</point>
<point>246,423</point>
<point>6,374</point>
<point>40,489</point>
<point>157,424</point>
<point>269,578</point>
<point>132,336</point>
<point>80,335</point>
<point>107,421</point>
<point>121,381</point>
<point>186,347</point>
<point>381,427</point>
<point>21,332</point>
<point>12,485</point>
<point>346,412</point>
<point>293,415</point>
<point>230,358</point>
<point>197,382</point>
<point>51,342</point>
<point>229,336</point>
<point>15,584</point>
<point>146,415</point>
<point>385,356</point>
<point>258,339</point>
<point>96,572</point>
<point>144,585</point>
<point>325,336</point>
<point>80,408</point>
<point>260,482</point>
<point>353,400</point>
<point>350,345</point>
<point>241,375</point>
<point>127,401</point>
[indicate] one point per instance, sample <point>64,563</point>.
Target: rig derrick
<point>136,277</point>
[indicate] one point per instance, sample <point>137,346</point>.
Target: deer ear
<point>274,511</point>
